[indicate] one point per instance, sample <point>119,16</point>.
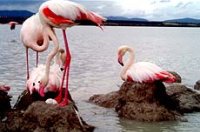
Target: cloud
<point>183,5</point>
<point>176,9</point>
<point>103,7</point>
<point>165,0</point>
<point>149,9</point>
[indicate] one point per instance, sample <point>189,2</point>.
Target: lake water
<point>95,70</point>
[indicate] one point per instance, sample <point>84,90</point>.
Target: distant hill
<point>14,15</point>
<point>121,18</point>
<point>124,21</point>
<point>181,20</point>
<point>184,20</point>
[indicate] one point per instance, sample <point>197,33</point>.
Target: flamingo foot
<point>64,102</point>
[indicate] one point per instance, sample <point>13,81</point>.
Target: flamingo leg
<point>36,58</point>
<point>66,69</point>
<point>59,97</point>
<point>27,64</point>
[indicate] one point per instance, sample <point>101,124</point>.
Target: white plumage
<point>63,8</point>
<point>32,32</point>
<point>55,75</point>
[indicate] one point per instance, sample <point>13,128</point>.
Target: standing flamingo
<point>141,71</point>
<point>63,14</point>
<point>34,36</point>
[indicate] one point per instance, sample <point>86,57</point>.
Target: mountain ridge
<point>178,20</point>
<point>184,20</point>
<point>22,15</point>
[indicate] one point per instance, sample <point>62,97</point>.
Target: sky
<point>155,10</point>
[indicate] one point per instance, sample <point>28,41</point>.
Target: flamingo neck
<point>51,54</point>
<point>128,64</point>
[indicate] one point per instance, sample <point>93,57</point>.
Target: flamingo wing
<point>56,19</point>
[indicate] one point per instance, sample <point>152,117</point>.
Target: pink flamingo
<point>63,14</point>
<point>34,36</point>
<point>55,76</point>
<point>141,71</point>
<point>13,24</point>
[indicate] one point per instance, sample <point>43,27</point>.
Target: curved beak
<point>120,60</point>
<point>41,91</point>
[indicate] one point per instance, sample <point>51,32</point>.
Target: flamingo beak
<point>120,60</point>
<point>41,91</point>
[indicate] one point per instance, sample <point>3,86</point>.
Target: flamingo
<point>55,76</point>
<point>141,71</point>
<point>12,24</point>
<point>33,35</point>
<point>63,14</point>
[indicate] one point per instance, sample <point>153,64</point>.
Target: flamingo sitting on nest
<point>55,76</point>
<point>141,71</point>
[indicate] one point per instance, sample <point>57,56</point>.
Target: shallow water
<point>95,70</point>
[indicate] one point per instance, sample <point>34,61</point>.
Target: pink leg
<point>36,58</point>
<point>65,99</point>
<point>27,65</point>
<point>67,68</point>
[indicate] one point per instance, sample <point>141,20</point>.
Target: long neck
<point>53,52</point>
<point>42,47</point>
<point>128,64</point>
<point>60,58</point>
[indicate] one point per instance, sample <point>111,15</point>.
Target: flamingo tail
<point>93,17</point>
<point>97,19</point>
<point>166,77</point>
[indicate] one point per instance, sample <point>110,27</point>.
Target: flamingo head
<point>61,58</point>
<point>41,85</point>
<point>121,52</point>
<point>37,85</point>
<point>30,84</point>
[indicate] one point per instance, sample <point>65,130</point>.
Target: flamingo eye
<point>38,81</point>
<point>33,84</point>
<point>61,69</point>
